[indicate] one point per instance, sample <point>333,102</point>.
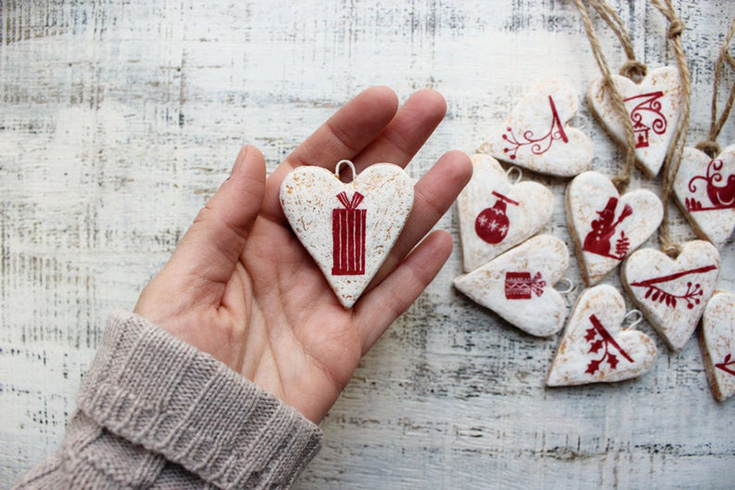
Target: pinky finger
<point>375,311</point>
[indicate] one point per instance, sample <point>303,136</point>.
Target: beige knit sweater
<point>155,413</point>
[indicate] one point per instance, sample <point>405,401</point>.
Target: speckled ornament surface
<point>536,134</point>
<point>717,339</point>
<point>672,293</point>
<point>705,190</point>
<point>348,229</point>
<point>518,285</point>
<point>606,226</point>
<point>496,214</point>
<point>595,349</point>
<point>654,108</point>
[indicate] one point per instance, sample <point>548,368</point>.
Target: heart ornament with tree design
<point>536,134</point>
<point>594,348</point>
<point>671,293</point>
<point>348,229</point>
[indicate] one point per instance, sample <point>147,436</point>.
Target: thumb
<point>210,248</point>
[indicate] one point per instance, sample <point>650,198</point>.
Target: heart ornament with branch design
<point>606,226</point>
<point>518,285</point>
<point>654,106</point>
<point>595,349</point>
<point>536,134</point>
<point>705,190</point>
<point>671,293</point>
<point>496,214</point>
<point>717,339</point>
<point>348,229</point>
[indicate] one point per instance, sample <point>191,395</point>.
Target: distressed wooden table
<point>119,118</point>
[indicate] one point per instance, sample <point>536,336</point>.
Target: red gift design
<point>520,285</point>
<point>348,236</point>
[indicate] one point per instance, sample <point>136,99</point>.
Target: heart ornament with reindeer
<point>606,226</point>
<point>348,228</point>
<point>673,293</point>
<point>595,348</point>
<point>536,134</point>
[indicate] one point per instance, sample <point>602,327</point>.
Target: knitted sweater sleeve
<point>156,413</point>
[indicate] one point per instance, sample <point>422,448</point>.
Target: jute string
<point>710,146</point>
<point>622,180</point>
<point>632,68</point>
<point>673,154</point>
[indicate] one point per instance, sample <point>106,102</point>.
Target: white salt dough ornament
<point>705,190</point>
<point>654,107</point>
<point>518,285</point>
<point>495,214</point>
<point>717,339</point>
<point>671,293</point>
<point>536,135</point>
<point>348,229</point>
<point>594,348</point>
<point>606,226</point>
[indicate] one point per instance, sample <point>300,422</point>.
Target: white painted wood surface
<point>119,118</point>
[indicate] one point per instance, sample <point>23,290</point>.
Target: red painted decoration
<point>725,365</point>
<point>720,197</point>
<point>598,240</point>
<point>646,116</point>
<point>598,337</point>
<point>520,285</point>
<point>492,223</point>
<point>539,145</point>
<point>348,236</point>
<point>691,296</point>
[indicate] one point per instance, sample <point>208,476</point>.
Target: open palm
<point>242,288</point>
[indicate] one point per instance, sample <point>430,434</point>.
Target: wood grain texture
<point>119,118</point>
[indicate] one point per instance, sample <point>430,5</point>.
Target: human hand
<point>241,287</point>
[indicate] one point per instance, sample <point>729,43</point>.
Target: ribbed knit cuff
<point>157,391</point>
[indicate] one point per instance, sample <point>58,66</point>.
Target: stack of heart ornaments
<point>496,215</point>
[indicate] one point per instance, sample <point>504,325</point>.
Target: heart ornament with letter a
<point>348,228</point>
<point>496,214</point>
<point>536,135</point>
<point>705,190</point>
<point>673,293</point>
<point>606,226</point>
<point>595,349</point>
<point>654,107</point>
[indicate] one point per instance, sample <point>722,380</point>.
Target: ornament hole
<point>345,178</point>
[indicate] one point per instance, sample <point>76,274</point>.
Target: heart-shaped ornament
<point>654,107</point>
<point>518,285</point>
<point>717,339</point>
<point>348,229</point>
<point>496,214</point>
<point>536,134</point>
<point>606,226</point>
<point>673,293</point>
<point>705,190</point>
<point>594,348</point>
